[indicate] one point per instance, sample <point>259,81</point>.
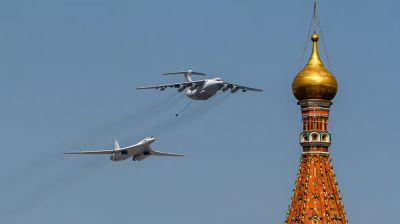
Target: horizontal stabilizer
<point>185,72</point>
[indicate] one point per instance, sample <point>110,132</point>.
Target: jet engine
<point>244,90</point>
<point>181,88</point>
<point>140,157</point>
<point>225,88</point>
<point>137,158</point>
<point>193,87</point>
<point>234,89</point>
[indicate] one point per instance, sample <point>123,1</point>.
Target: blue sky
<point>69,69</point>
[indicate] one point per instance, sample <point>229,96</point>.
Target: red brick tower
<point>316,198</point>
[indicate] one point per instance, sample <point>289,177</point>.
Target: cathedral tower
<point>316,197</point>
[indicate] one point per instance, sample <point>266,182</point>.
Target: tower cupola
<point>314,81</point>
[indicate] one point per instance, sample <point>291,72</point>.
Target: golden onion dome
<point>314,81</point>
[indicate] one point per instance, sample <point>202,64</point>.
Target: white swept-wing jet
<point>201,89</point>
<point>138,151</point>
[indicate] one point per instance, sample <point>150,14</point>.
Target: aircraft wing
<point>175,85</point>
<point>158,153</point>
<point>240,87</point>
<point>92,152</point>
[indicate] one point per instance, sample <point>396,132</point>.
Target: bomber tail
<point>188,74</point>
<point>116,145</point>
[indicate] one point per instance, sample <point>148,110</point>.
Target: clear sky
<point>69,69</point>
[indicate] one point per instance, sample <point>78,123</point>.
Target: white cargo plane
<point>201,89</point>
<point>139,151</point>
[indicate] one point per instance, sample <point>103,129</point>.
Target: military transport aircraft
<point>139,151</point>
<point>201,89</point>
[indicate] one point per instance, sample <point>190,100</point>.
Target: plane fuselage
<point>209,88</point>
<point>122,154</point>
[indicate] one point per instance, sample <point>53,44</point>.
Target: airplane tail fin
<point>116,145</point>
<point>188,74</point>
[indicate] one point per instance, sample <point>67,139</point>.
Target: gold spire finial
<point>314,81</point>
<point>315,37</point>
<point>315,59</point>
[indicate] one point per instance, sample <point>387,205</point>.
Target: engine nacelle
<point>234,89</point>
<point>115,158</point>
<point>193,87</point>
<point>244,90</point>
<point>140,157</point>
<point>181,88</point>
<point>137,158</point>
<point>225,88</point>
<point>162,88</point>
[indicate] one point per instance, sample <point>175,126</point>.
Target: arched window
<point>314,137</point>
<point>304,137</point>
<point>325,137</point>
